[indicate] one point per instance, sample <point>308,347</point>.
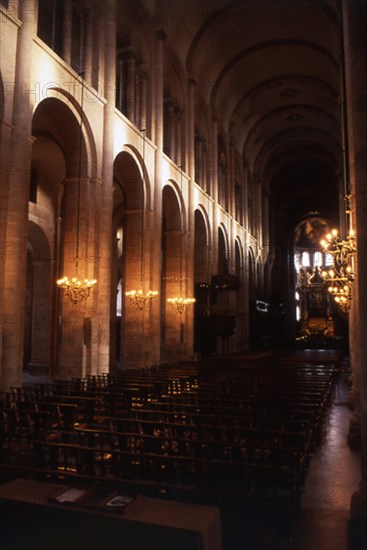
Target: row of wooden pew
<point>188,432</point>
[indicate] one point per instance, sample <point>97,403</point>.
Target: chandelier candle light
<point>342,275</point>
<point>77,290</point>
<point>179,303</point>
<point>141,298</point>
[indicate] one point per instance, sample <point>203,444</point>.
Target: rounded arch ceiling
<point>269,71</point>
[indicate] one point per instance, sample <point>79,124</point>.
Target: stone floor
<point>333,477</point>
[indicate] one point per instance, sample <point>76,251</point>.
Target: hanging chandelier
<point>180,303</point>
<point>341,276</point>
<point>142,298</point>
<point>77,289</point>
<point>139,298</point>
<point>342,251</point>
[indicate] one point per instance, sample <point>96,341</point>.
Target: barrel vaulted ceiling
<point>270,71</point>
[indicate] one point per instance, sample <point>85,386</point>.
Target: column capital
<point>29,12</point>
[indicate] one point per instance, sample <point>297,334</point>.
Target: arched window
<point>317,259</point>
<point>305,259</point>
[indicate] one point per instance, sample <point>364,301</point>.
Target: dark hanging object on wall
<point>225,281</point>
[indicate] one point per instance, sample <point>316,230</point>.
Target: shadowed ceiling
<point>270,71</point>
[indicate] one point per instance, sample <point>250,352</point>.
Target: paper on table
<point>71,495</point>
<point>119,501</point>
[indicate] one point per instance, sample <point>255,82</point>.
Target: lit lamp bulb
<point>139,298</point>
<point>76,290</point>
<point>180,304</point>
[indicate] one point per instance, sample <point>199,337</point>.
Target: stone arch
<point>40,294</point>
<point>130,267</point>
<point>59,159</point>
<point>252,273</point>
<point>63,168</point>
<point>177,193</point>
<point>241,302</point>
<point>67,115</point>
<point>174,268</point>
<point>223,248</point>
<point>203,252</point>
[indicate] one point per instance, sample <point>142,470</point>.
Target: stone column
<point>355,13</point>
<point>133,343</point>
<point>67,31</point>
<point>88,16</point>
<point>75,357</point>
<point>171,129</point>
<point>189,240</point>
<point>259,210</point>
<point>143,101</point>
<point>198,160</point>
<point>190,129</point>
<point>131,87</point>
<point>56,273</point>
<point>214,160</point>
<point>232,177</point>
<point>41,319</point>
<point>173,336</point>
<point>120,69</point>
<point>155,310</point>
<point>178,138</point>
<point>203,164</point>
<point>106,189</point>
<point>265,236</point>
<point>354,433</point>
<point>16,185</point>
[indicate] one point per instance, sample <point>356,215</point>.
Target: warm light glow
<point>342,275</point>
<point>180,304</point>
<point>141,299</point>
<point>305,259</point>
<point>75,289</point>
<point>119,137</point>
